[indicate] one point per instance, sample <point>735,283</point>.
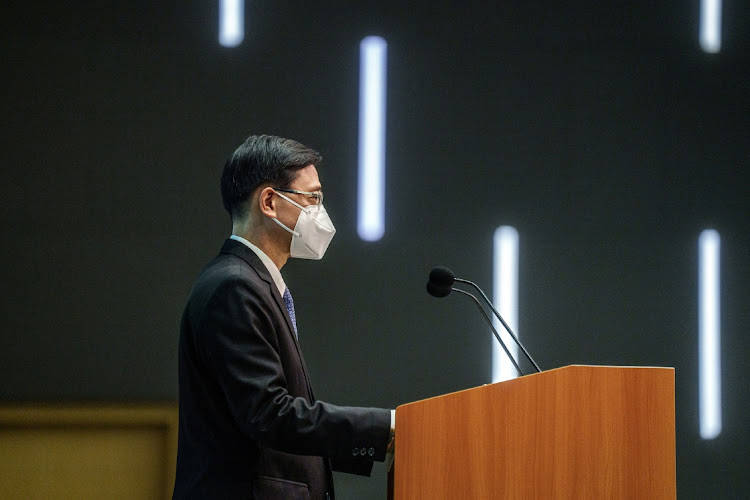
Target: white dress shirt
<point>266,260</point>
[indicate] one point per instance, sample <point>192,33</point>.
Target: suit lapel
<point>240,250</point>
<point>281,305</point>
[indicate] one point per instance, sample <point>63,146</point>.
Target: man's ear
<point>267,202</point>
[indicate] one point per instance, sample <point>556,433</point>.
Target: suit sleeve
<point>239,341</point>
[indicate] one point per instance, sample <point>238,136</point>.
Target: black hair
<point>261,159</point>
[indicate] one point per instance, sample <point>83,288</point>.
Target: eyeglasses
<point>317,196</point>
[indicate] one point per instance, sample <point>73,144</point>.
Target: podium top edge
<point>560,368</point>
<point>613,366</point>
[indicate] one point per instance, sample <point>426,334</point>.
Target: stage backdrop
<point>599,130</point>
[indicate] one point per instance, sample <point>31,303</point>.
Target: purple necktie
<point>290,308</point>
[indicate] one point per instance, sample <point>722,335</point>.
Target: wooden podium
<point>572,432</point>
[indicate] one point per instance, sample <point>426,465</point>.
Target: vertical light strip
<point>371,190</point>
<point>505,300</point>
<point>231,22</point>
<point>710,28</point>
<point>709,340</point>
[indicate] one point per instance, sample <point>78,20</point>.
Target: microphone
<point>441,277</point>
<point>438,291</point>
<point>440,284</point>
<point>440,287</point>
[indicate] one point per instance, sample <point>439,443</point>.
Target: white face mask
<point>313,232</point>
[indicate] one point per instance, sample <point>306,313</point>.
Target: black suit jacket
<point>250,426</point>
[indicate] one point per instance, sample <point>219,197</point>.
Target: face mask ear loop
<point>277,221</point>
<point>310,209</point>
<point>290,200</point>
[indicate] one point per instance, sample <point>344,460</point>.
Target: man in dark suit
<point>250,426</point>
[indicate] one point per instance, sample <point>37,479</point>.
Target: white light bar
<point>231,22</point>
<point>371,190</point>
<point>505,300</point>
<point>709,340</point>
<point>710,28</point>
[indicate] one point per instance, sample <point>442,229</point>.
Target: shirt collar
<point>266,260</point>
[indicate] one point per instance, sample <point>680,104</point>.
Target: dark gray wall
<point>601,132</point>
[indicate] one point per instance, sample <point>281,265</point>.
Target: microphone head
<point>438,291</point>
<point>442,277</point>
<point>441,281</point>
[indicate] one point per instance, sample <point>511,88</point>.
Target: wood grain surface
<point>573,432</point>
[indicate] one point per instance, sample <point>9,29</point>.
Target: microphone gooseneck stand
<point>489,322</point>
